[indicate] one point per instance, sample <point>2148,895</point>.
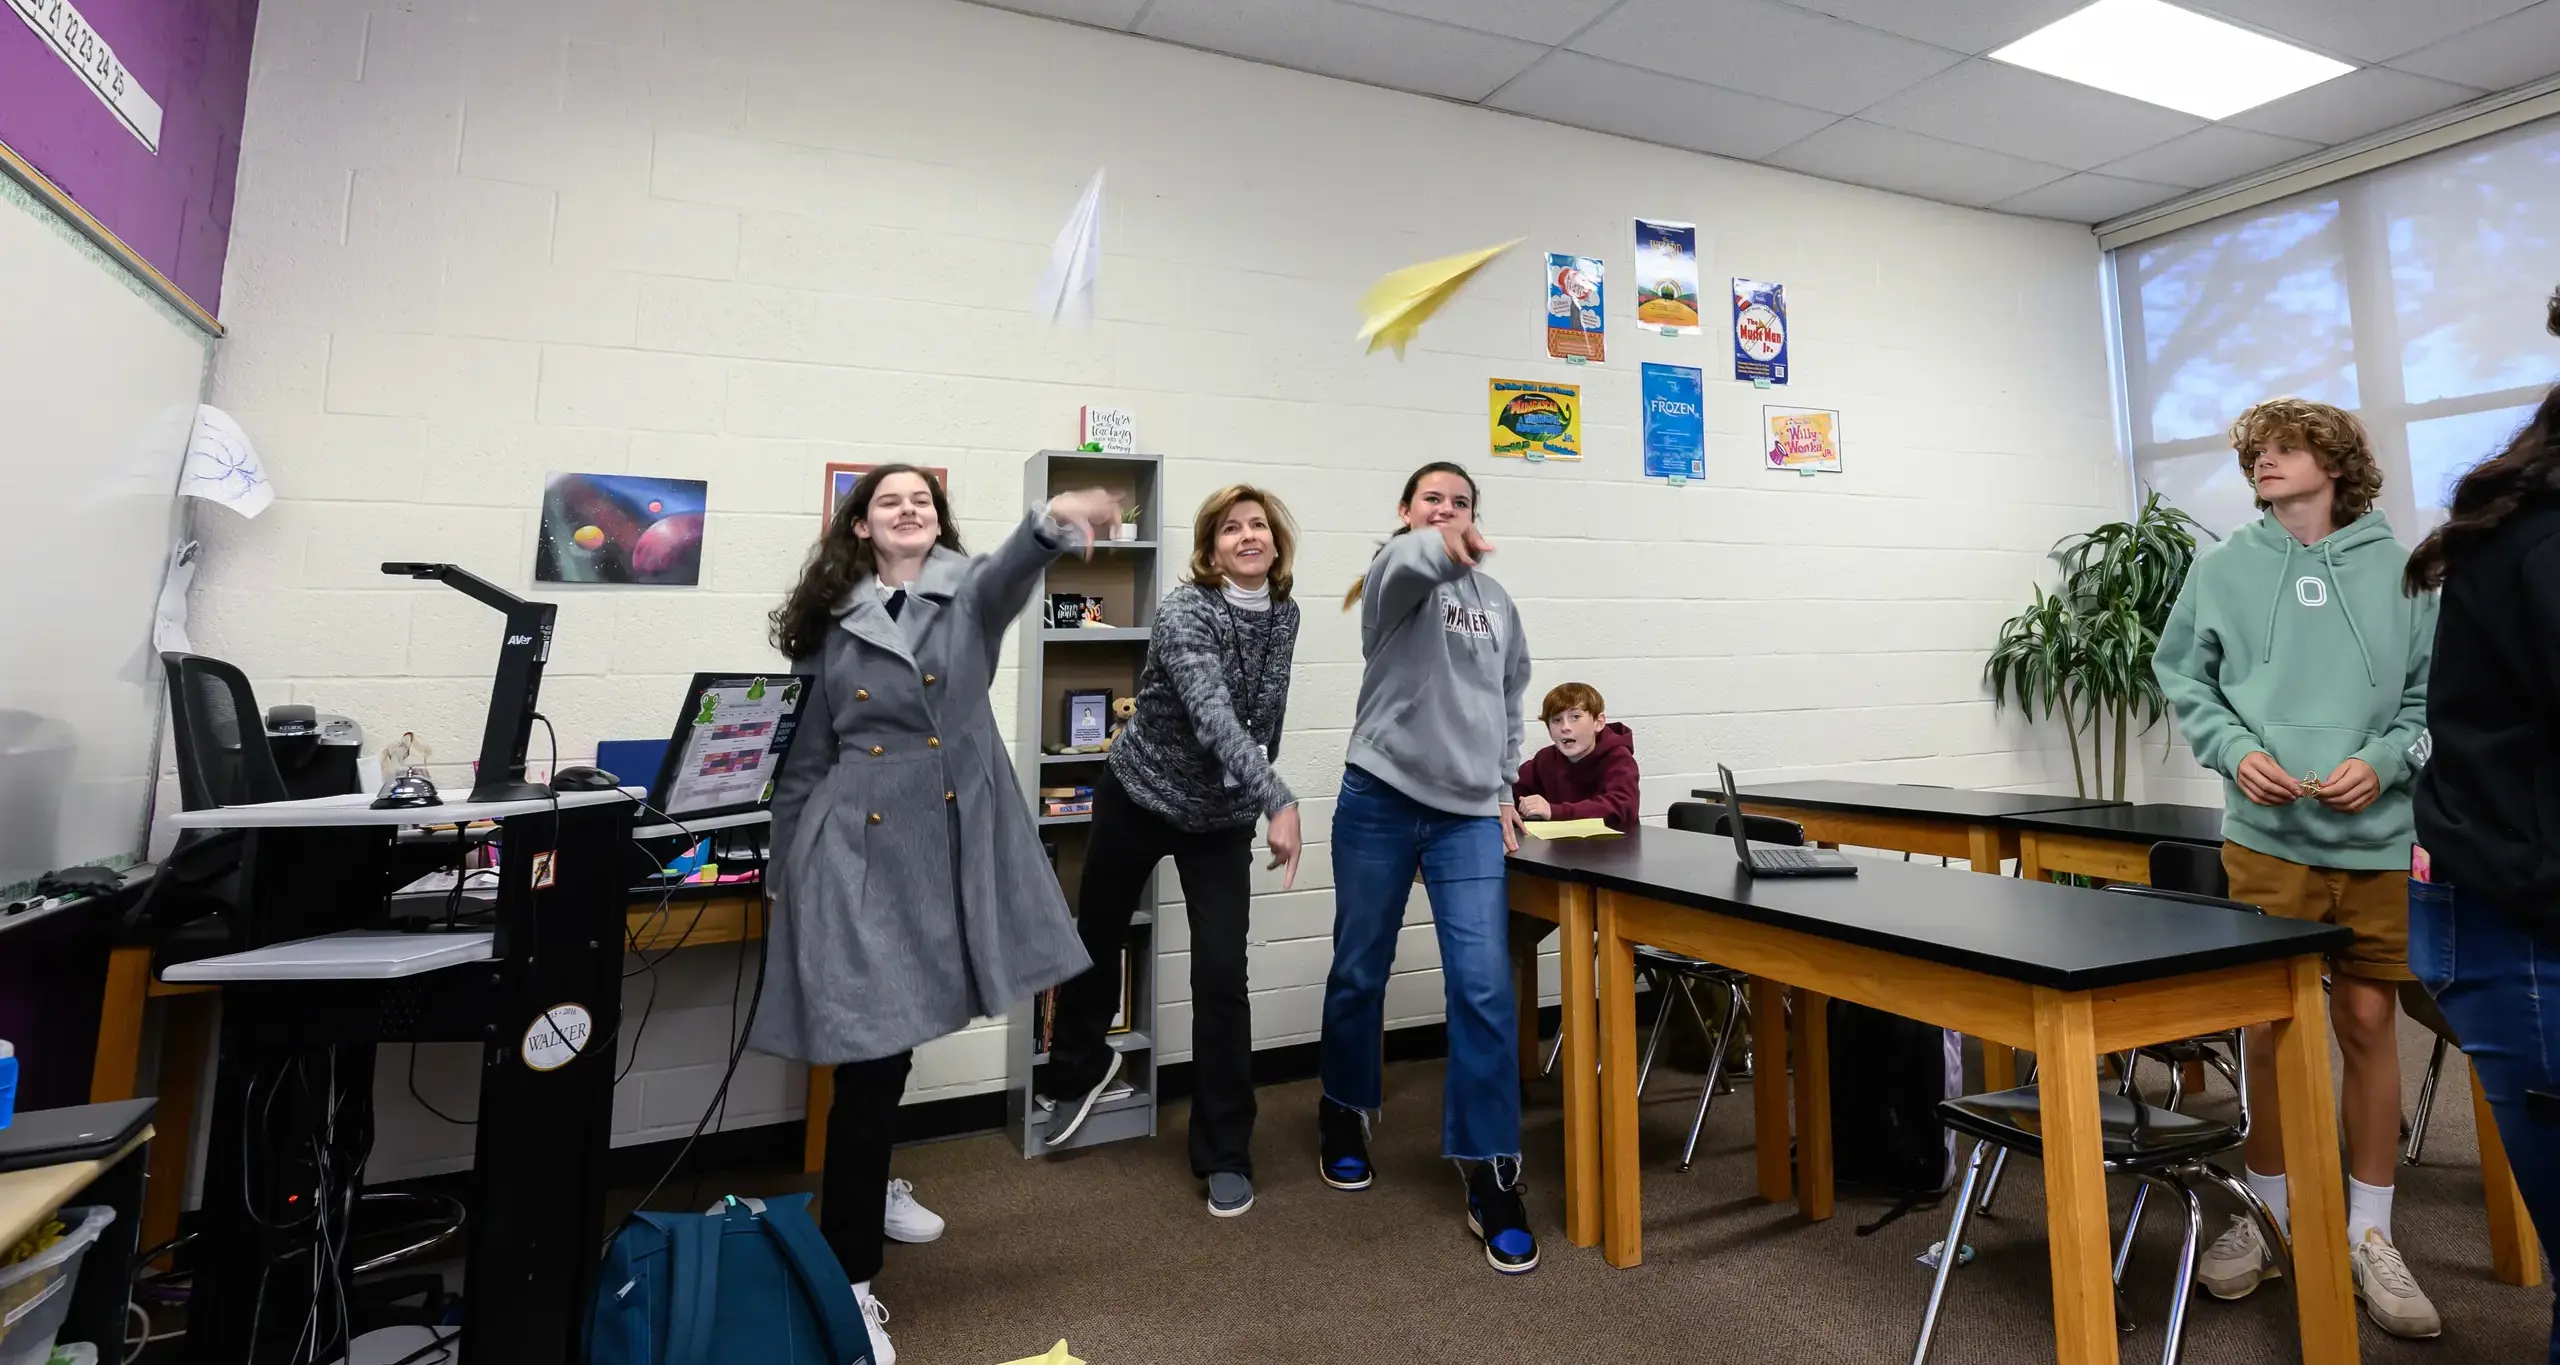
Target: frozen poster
<point>1575,318</point>
<point>1759,330</point>
<point>1675,422</point>
<point>1667,277</point>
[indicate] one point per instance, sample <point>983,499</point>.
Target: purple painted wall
<point>193,57</point>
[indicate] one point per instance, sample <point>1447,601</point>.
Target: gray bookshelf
<point>1127,576</point>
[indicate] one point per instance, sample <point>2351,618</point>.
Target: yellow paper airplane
<point>1397,306</point>
<point>1055,1355</point>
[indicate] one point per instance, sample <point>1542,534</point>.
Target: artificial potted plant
<point>2084,650</point>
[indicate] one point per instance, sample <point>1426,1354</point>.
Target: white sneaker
<point>875,1316</point>
<point>2238,1261</point>
<point>909,1221</point>
<point>2391,1294</point>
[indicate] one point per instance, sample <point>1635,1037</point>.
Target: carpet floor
<point>1113,1250</point>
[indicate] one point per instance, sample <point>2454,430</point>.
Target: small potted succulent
<point>1128,527</point>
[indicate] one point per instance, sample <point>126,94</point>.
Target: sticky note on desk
<point>1569,829</point>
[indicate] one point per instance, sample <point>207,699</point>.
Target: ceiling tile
<point>1102,13</point>
<point>1968,26</point>
<point>1587,92</point>
<point>1762,47</point>
<point>2005,108</point>
<point>2353,105</point>
<point>2498,55</point>
<point>2367,30</point>
<point>2087,198</point>
<point>2208,156</point>
<point>1888,158</point>
<point>1332,38</point>
<point>1538,21</point>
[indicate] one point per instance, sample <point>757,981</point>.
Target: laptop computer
<point>1773,861</point>
<point>81,1132</point>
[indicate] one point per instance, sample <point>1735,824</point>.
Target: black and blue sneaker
<point>1496,1215</point>
<point>1342,1142</point>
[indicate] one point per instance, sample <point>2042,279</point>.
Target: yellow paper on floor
<point>1055,1355</point>
<point>1569,829</point>
<point>1396,306</point>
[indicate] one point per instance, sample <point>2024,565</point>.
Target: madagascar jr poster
<point>1536,421</point>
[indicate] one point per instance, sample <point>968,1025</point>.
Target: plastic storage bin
<point>35,1294</point>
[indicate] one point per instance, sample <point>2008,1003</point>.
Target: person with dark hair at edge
<point>1427,787</point>
<point>2484,894</point>
<point>910,891</point>
<point>1589,772</point>
<point>1187,779</point>
<point>2297,669</point>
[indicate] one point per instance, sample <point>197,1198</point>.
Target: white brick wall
<point>478,243</point>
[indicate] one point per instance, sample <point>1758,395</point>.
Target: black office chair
<point>2162,1148</point>
<point>216,714</point>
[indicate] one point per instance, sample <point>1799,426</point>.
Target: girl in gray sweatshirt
<point>1427,789</point>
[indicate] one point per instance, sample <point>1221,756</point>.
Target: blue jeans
<point>1380,838</point>
<point>2499,986</point>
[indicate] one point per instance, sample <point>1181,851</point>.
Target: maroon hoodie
<point>1602,786</point>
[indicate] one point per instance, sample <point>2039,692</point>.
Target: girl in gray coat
<point>910,891</point>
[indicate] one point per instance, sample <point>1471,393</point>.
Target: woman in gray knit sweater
<point>1187,779</point>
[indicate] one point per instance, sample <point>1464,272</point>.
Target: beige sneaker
<point>2391,1294</point>
<point>2238,1261</point>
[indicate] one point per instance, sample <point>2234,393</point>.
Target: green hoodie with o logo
<point>2313,654</point>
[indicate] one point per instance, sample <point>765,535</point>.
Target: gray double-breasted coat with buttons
<point>911,892</point>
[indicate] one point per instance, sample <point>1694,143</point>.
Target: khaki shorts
<point>2374,906</point>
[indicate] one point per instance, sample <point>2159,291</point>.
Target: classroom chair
<point>2162,1148</point>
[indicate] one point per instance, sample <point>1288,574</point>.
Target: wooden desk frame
<point>2515,1253</point>
<point>2069,1030</point>
<point>1568,907</point>
<point>1985,846</point>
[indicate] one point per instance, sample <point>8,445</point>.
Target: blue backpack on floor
<point>750,1280</point>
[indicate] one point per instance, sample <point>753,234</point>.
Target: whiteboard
<point>98,385</point>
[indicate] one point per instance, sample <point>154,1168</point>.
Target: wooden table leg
<point>2515,1254</point>
<point>118,1065</point>
<point>1623,1236</point>
<point>187,1034</point>
<point>1982,844</point>
<point>813,1126</point>
<point>2075,1180</point>
<point>1810,1044</point>
<point>2314,1184</point>
<point>1579,1022</point>
<point>1769,1088</point>
<point>2030,863</point>
<point>1999,1065</point>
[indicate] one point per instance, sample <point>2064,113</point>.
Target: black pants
<point>1217,886</point>
<point>862,1125</point>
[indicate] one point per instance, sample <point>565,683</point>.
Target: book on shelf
<point>1054,809</point>
<point>1066,793</point>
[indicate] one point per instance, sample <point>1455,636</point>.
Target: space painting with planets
<point>620,528</point>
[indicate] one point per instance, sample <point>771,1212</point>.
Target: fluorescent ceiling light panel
<point>2161,54</point>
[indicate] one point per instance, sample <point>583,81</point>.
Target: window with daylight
<point>2413,295</point>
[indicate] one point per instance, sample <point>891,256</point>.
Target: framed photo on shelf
<point>1085,716</point>
<point>842,477</point>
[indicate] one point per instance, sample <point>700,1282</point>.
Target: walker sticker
<point>1759,330</point>
<point>1577,322</point>
<point>1535,421</point>
<point>1458,618</point>
<point>557,1036</point>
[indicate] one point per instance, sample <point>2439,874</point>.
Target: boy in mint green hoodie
<point>2297,669</point>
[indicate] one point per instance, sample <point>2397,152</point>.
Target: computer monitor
<point>732,733</point>
<point>522,651</point>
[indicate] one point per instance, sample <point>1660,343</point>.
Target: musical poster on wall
<point>1759,330</point>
